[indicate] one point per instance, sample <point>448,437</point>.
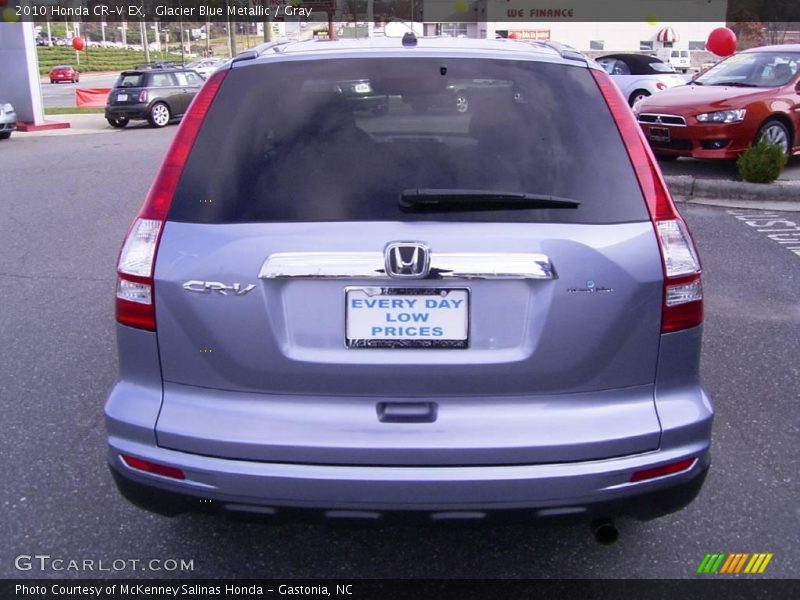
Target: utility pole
<point>231,35</point>
<point>183,58</point>
<point>145,44</point>
<point>268,23</point>
<point>370,18</point>
<point>331,27</point>
<point>208,39</point>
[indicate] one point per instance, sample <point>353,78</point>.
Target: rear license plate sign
<point>659,134</point>
<point>378,317</point>
<point>122,97</point>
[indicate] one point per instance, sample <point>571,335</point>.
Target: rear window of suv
<point>342,139</point>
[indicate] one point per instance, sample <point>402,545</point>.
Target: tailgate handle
<point>407,412</point>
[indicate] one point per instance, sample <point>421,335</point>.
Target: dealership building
<point>643,26</point>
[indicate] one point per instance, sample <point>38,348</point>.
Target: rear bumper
<point>368,102</point>
<point>130,111</point>
<point>575,488</point>
<point>582,491</point>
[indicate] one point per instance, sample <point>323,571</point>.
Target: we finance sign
<point>637,11</point>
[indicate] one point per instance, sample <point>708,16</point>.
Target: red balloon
<point>721,41</point>
<point>78,43</point>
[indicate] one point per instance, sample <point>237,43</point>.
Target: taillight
<point>143,96</point>
<point>135,275</point>
<point>135,304</point>
<point>683,291</point>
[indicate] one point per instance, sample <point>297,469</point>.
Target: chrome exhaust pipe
<point>604,531</point>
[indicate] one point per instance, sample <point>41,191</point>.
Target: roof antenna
<point>409,39</point>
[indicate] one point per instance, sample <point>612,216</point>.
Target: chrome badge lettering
<point>206,287</point>
<point>591,288</point>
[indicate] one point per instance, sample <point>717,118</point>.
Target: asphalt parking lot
<point>69,200</point>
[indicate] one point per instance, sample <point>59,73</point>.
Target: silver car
<point>8,120</point>
<point>449,314</point>
<point>206,66</point>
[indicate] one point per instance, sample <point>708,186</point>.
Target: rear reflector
<point>149,467</point>
<point>682,305</point>
<point>135,303</point>
<point>670,469</point>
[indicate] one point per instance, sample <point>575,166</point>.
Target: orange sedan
<point>748,97</point>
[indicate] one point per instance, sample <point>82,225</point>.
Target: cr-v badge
<point>206,287</point>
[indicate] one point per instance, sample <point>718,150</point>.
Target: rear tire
<point>666,157</point>
<point>119,122</point>
<point>159,115</point>
<point>5,135</point>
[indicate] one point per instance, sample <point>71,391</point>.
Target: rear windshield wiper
<point>441,200</point>
<point>736,84</point>
<point>694,82</point>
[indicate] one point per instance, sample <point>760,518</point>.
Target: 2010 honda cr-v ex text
<point>476,297</point>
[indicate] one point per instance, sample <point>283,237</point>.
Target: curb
<point>78,124</point>
<point>780,195</point>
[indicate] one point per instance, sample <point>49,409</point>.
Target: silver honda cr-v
<point>428,275</point>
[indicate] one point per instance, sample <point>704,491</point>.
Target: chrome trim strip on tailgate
<point>492,266</point>
<point>370,265</point>
<point>314,265</point>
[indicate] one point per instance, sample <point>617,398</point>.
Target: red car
<point>747,97</point>
<point>64,73</point>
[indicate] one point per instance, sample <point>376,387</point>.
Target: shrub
<point>761,163</point>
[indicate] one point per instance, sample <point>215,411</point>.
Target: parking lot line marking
<point>776,227</point>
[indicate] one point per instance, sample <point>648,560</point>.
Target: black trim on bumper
<point>134,111</point>
<point>646,506</point>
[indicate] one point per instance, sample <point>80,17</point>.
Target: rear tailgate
<point>555,369</point>
<point>548,368</point>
